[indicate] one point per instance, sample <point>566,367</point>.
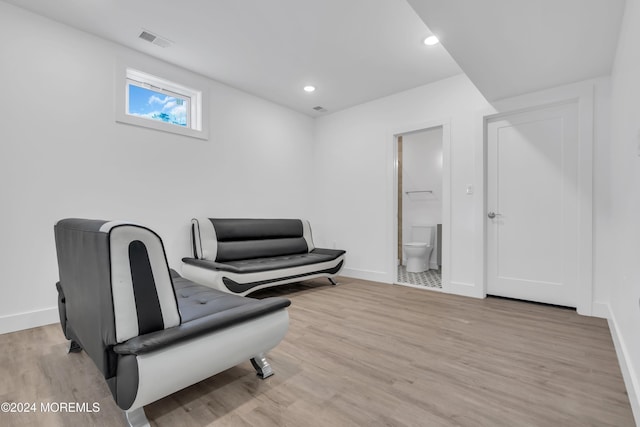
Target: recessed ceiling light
<point>431,40</point>
<point>309,88</point>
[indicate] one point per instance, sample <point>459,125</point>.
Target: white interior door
<point>532,201</point>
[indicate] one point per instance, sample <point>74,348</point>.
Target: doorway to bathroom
<point>420,197</point>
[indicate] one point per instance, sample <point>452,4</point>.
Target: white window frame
<point>132,75</point>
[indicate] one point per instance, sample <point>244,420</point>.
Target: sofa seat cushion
<point>203,310</point>
<point>257,265</point>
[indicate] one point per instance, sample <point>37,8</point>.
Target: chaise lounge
<point>149,331</point>
<point>242,255</point>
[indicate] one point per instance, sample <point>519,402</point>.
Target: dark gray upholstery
<point>251,249</point>
<point>254,265</point>
<point>245,254</point>
<point>90,287</point>
<point>85,289</point>
<point>243,238</point>
<point>235,229</point>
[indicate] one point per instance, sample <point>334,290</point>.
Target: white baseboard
<point>600,309</point>
<point>375,276</point>
<point>629,373</point>
<point>28,320</point>
<point>464,289</point>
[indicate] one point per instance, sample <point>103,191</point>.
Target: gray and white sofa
<point>149,331</point>
<point>242,255</point>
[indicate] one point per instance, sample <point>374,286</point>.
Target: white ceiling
<point>353,51</point>
<point>511,47</point>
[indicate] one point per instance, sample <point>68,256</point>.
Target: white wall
<point>63,155</point>
<point>354,179</point>
<point>602,237</point>
<point>422,171</point>
<point>624,212</point>
<point>353,158</point>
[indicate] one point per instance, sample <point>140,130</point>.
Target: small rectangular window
<point>154,103</point>
<point>150,101</point>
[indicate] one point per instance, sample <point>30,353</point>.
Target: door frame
<point>582,94</point>
<point>445,124</point>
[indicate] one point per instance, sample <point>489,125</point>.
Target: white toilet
<point>418,250</point>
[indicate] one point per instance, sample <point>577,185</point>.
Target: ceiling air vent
<point>152,38</point>
<point>320,109</point>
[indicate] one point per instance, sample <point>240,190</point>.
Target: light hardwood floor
<point>364,353</point>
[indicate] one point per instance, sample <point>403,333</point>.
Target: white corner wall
<point>63,155</point>
<point>624,208</point>
<point>354,176</point>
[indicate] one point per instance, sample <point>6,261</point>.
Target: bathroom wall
<point>422,170</point>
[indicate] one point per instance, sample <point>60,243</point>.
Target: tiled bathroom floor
<point>428,279</point>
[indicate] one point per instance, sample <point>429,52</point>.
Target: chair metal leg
<point>262,367</point>
<point>137,418</point>
<point>74,347</point>
<point>333,282</point>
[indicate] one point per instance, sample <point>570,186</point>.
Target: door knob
<point>492,215</point>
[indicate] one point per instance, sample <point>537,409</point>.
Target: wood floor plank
<point>364,353</point>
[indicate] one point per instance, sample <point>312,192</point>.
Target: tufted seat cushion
<point>202,310</point>
<point>256,265</point>
<point>196,301</point>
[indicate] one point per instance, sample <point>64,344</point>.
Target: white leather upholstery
<point>124,303</point>
<point>179,366</point>
<point>306,227</point>
<point>206,242</point>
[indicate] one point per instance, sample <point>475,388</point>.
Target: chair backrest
<point>231,239</point>
<point>116,285</point>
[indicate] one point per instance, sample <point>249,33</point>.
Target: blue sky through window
<point>157,106</point>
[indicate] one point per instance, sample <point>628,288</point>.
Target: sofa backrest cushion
<point>143,295</point>
<point>116,282</point>
<point>231,239</point>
